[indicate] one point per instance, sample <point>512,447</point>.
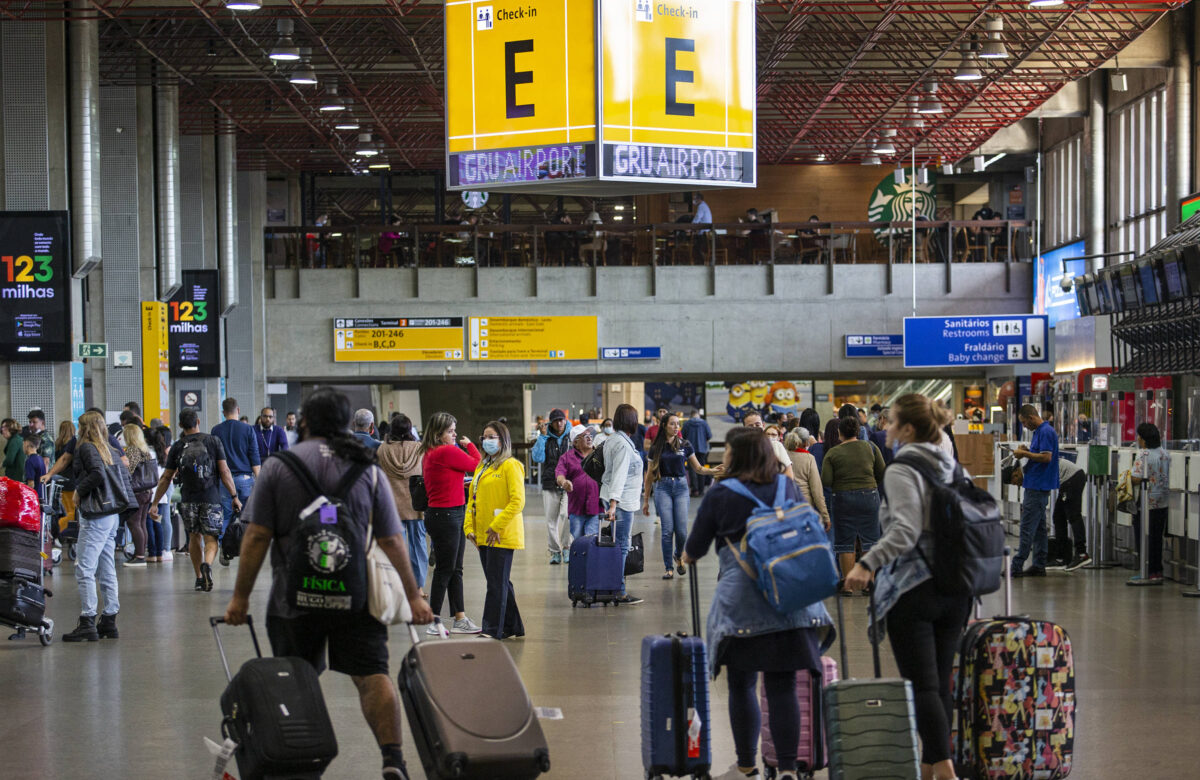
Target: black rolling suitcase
<point>274,710</point>
<point>470,714</point>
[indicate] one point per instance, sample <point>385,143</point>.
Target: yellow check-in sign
<point>676,93</point>
<point>533,338</point>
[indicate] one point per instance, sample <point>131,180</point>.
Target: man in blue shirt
<point>1041,476</point>
<point>271,437</point>
<point>364,421</point>
<point>698,433</point>
<point>243,456</point>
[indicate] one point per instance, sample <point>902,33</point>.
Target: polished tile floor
<point>139,707</point>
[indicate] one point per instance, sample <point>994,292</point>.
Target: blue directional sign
<point>1009,339</point>
<point>875,345</point>
<point>630,353</point>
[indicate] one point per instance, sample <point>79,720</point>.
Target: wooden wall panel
<point>838,193</point>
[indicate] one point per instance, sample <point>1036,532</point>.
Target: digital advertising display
<point>520,92</point>
<point>35,303</point>
<point>193,326</point>
<point>1049,270</point>
<point>533,338</point>
<point>397,339</point>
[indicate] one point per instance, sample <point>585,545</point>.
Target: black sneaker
<point>1081,560</point>
<point>200,583</point>
<point>1034,571</point>
<point>394,773</point>
<point>206,573</point>
<point>629,599</point>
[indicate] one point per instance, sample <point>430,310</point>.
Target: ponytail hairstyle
<point>326,415</point>
<point>925,415</point>
<point>439,423</point>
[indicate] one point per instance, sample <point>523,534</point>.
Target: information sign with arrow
<point>1009,339</point>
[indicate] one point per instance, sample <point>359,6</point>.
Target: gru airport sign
<point>579,96</point>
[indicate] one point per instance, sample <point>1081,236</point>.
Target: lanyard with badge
<point>475,482</point>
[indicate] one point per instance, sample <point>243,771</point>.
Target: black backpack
<point>327,568</point>
<point>593,464</point>
<point>966,530</point>
<point>196,467</point>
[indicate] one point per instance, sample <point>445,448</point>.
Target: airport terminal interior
<point>556,249</point>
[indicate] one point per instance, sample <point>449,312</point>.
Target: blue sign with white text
<point>1007,339</point>
<point>875,345</point>
<point>77,400</point>
<point>1049,269</point>
<point>630,353</point>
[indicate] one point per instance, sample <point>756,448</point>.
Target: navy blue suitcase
<point>596,571</point>
<point>676,727</point>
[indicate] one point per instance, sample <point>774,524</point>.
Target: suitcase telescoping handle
<point>216,621</point>
<point>1008,600</point>
<point>694,587</point>
<point>416,635</point>
<point>841,627</point>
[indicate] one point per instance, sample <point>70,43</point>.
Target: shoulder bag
<point>386,599</point>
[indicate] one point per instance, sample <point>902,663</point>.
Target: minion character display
<point>759,391</point>
<point>740,401</point>
<point>782,397</point>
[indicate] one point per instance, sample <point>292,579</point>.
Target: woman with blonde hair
<point>923,623</point>
<point>494,524</point>
<point>144,478</point>
<point>104,493</point>
<point>66,433</point>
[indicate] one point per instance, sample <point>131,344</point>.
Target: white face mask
<point>608,431</point>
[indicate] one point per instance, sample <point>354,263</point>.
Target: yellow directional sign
<point>520,91</point>
<point>533,338</point>
<point>156,362</point>
<point>397,339</point>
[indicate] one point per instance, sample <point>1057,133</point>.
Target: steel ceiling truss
<point>830,75</point>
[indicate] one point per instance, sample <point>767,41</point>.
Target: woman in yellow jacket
<point>494,524</point>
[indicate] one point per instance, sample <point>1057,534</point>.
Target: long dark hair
<point>810,420</point>
<point>661,442</point>
<point>401,428</point>
<point>157,440</point>
<point>831,435</point>
<point>326,415</point>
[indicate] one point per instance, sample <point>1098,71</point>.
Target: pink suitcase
<point>812,753</point>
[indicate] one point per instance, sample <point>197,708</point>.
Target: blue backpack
<point>785,550</point>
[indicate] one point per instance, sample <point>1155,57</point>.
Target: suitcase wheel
<point>544,761</point>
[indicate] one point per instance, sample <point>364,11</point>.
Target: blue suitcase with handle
<point>596,571</point>
<point>676,729</point>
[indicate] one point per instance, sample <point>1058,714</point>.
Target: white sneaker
<point>432,631</point>
<point>465,626</point>
<point>167,556</point>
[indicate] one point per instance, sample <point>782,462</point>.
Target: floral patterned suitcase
<point>1014,699</point>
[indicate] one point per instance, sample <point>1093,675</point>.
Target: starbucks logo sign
<point>892,202</point>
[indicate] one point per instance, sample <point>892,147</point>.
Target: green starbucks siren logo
<point>892,202</point>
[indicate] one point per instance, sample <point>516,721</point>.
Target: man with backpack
<point>199,459</point>
<point>331,470</point>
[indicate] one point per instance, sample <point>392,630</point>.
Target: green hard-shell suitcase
<point>871,725</point>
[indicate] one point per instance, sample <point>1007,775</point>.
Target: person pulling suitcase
<point>328,496</point>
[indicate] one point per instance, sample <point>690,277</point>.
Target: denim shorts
<point>855,516</point>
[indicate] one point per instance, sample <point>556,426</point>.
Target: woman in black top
<point>745,634</point>
<point>666,478</point>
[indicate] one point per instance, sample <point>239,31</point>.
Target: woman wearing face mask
<point>444,465</point>
<point>493,523</point>
<point>606,430</point>
<point>666,478</point>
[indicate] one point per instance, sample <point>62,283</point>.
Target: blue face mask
<point>491,446</point>
<point>608,431</point>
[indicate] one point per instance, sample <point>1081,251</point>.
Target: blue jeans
<point>154,533</point>
<point>168,526</point>
<point>584,525</point>
<point>1033,529</point>
<point>624,531</point>
<point>95,550</point>
<point>671,501</point>
<point>855,516</point>
<point>244,484</point>
<point>418,549</point>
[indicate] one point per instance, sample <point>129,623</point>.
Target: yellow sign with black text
<point>156,362</point>
<point>533,338</point>
<point>676,93</point>
<point>400,339</point>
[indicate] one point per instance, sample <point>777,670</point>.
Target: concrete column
<point>244,326</point>
<point>1179,107</point>
<point>1094,181</point>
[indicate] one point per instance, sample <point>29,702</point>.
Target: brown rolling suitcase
<point>470,714</point>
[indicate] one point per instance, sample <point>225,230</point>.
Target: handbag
<point>386,599</point>
<point>113,496</point>
<point>1126,500</point>
<point>416,490</point>
<point>635,561</point>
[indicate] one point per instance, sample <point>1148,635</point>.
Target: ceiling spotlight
<point>331,102</point>
<point>968,69</point>
<point>993,47</point>
<point>350,124</point>
<point>1044,3</point>
<point>285,49</point>
<point>1118,81</point>
<point>898,175</point>
<point>913,122</point>
<point>366,147</point>
<point>980,165</point>
<point>929,103</point>
<point>871,159</point>
<point>884,145</point>
<point>242,5</point>
<point>820,157</point>
<point>380,166</point>
<point>304,74</point>
<point>923,176</point>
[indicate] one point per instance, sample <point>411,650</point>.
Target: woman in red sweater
<point>445,459</point>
